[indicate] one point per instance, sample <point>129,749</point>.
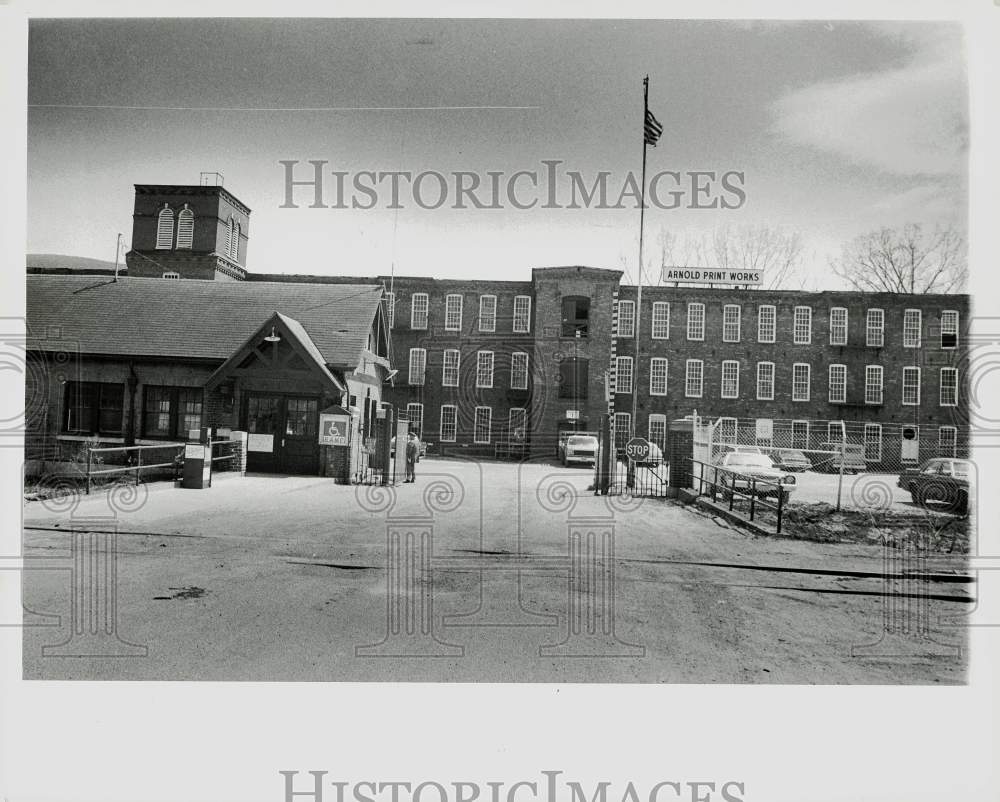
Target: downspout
<point>133,384</point>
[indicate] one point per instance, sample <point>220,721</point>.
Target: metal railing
<point>756,489</point>
<point>133,465</point>
<point>235,456</point>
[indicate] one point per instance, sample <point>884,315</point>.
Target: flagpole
<point>638,297</point>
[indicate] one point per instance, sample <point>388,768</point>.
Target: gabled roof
<point>186,318</point>
<point>301,342</point>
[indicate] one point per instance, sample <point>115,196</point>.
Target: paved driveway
<point>488,571</point>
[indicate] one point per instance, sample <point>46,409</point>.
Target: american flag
<point>653,129</point>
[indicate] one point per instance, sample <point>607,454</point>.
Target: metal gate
<point>629,465</point>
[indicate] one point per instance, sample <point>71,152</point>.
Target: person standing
<point>412,448</point>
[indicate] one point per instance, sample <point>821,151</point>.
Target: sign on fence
<point>637,449</point>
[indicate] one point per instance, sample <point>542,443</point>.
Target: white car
<point>578,449</point>
<point>743,467</point>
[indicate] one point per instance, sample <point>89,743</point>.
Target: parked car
<point>853,458</point>
<point>730,449</point>
<point>746,467</point>
<point>579,449</point>
<point>941,481</point>
<point>788,459</point>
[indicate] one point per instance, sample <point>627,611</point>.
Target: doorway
<point>282,433</point>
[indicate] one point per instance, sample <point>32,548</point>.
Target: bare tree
<point>774,251</point>
<point>905,261</point>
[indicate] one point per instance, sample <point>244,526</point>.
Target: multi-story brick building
<point>884,365</point>
<point>494,367</point>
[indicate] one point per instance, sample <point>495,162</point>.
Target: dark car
<point>788,459</point>
<point>941,481</point>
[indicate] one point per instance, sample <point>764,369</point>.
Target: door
<point>283,434</point>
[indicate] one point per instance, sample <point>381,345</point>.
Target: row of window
<point>802,323</point>
<point>451,364</point>
<point>694,381</point>
<point>453,310</point>
<point>798,437</point>
<point>482,423</point>
<point>181,236</point>
<point>96,408</point>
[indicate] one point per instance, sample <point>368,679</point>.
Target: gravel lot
<point>283,578</point>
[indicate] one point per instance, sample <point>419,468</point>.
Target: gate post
<point>604,463</point>
<point>680,446</point>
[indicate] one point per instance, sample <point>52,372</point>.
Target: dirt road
<point>501,573</point>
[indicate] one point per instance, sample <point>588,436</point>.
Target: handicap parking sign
<point>333,430</point>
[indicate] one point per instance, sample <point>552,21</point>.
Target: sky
<point>838,129</point>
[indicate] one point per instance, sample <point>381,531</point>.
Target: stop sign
<point>637,449</point>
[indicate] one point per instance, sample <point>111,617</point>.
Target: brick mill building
<point>484,368</point>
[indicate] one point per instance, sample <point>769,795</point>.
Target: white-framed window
<point>947,441</point>
<point>838,384</point>
<point>418,310</point>
<point>484,369</point>
<point>911,387</point>
<point>450,367</point>
<point>165,228</point>
<point>415,415</point>
<point>730,379</point>
<point>694,377</point>
<point>911,328</point>
<point>487,313</point>
<point>801,381</point>
<point>949,329</point>
<point>658,376</point>
<point>875,328</point>
<point>873,442</point>
<point>418,366</point>
<point>838,326</point>
<point>661,320</point>
<point>731,314</point>
<point>519,371</point>
<point>626,318</point>
<point>171,274</point>
<point>800,434</point>
<point>835,431</point>
<point>390,308</point>
<point>766,325</point>
<point>657,431</point>
<point>449,423</point>
<point>802,325</point>
<point>623,429</point>
<point>185,229</point>
<point>517,423</point>
<point>765,381</point>
<point>453,312</point>
<point>873,384</point>
<point>522,314</point>
<point>696,321</point>
<point>725,433</point>
<point>949,387</point>
<point>623,373</point>
<point>482,425</point>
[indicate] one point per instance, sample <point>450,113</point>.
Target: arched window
<point>185,228</point>
<point>236,244</point>
<point>165,228</point>
<point>171,274</point>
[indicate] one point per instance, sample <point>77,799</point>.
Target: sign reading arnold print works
<point>704,275</point>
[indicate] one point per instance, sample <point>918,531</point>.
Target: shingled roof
<point>194,319</point>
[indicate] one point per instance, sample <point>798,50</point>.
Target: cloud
<point>908,120</point>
